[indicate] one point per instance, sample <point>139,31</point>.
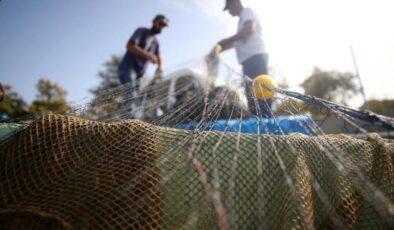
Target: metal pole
<point>359,79</point>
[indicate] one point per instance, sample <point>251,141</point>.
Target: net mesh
<point>183,152</point>
<point>65,172</point>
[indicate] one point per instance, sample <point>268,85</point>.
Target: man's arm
<point>248,28</point>
<point>135,49</point>
<point>159,64</point>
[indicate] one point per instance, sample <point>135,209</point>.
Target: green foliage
<point>12,104</point>
<point>381,106</point>
<point>101,104</point>
<point>331,85</point>
<point>109,76</point>
<point>49,91</point>
<point>50,97</point>
<point>334,86</point>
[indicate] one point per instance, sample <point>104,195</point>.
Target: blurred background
<point>53,54</point>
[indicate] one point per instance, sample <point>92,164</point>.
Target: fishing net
<point>74,173</point>
<point>184,153</point>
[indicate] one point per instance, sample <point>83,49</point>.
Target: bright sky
<point>68,41</point>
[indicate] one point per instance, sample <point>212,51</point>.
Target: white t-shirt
<point>253,44</point>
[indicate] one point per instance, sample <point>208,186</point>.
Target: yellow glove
<point>218,48</point>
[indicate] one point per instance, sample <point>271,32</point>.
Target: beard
<point>155,30</point>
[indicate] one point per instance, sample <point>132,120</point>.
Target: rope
<point>368,116</point>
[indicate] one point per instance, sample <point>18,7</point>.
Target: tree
<point>13,104</point>
<point>50,97</point>
<point>382,106</point>
<point>109,77</point>
<point>334,86</point>
<point>107,95</point>
<point>331,85</point>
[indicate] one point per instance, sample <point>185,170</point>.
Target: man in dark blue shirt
<point>142,48</point>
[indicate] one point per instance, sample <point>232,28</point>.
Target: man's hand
<point>248,28</point>
<point>135,49</point>
<point>159,69</point>
<point>152,58</point>
<point>226,44</point>
<point>157,78</point>
<point>214,53</point>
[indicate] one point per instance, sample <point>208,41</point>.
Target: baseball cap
<point>228,2</point>
<point>163,19</point>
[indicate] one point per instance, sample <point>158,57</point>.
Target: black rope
<point>384,121</point>
<point>371,117</point>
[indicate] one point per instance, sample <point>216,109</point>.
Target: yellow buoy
<point>262,86</point>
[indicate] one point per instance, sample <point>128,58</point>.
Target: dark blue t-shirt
<point>146,39</point>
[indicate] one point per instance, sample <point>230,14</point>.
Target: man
<point>142,48</point>
<point>249,45</point>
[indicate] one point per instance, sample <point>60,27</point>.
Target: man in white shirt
<point>250,48</point>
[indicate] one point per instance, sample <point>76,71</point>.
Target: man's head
<point>159,22</point>
<point>234,7</point>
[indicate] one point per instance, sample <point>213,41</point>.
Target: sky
<point>68,42</point>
